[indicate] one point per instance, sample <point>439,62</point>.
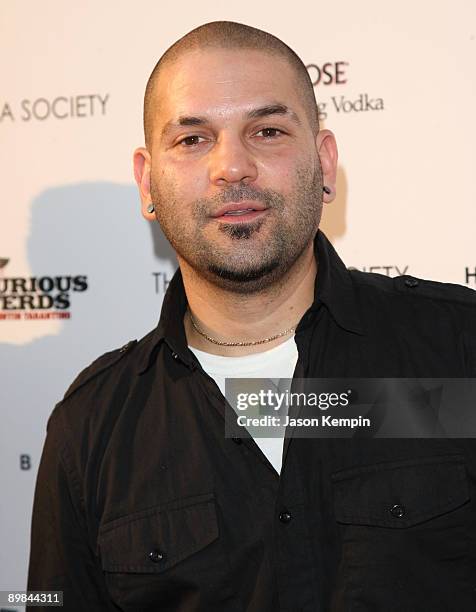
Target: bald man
<point>142,502</point>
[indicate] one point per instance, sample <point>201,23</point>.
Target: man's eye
<point>270,132</point>
<point>190,141</point>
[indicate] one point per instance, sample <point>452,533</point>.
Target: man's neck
<point>232,317</point>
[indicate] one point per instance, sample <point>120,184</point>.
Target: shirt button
<point>155,556</point>
<point>237,440</point>
<point>411,282</point>
<point>397,511</point>
<point>285,517</point>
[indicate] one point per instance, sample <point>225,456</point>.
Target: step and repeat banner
<point>82,273</point>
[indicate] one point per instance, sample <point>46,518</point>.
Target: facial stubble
<point>258,253</point>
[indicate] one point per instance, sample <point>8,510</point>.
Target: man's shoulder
<point>103,380</point>
<point>100,366</point>
<point>95,400</point>
<point>418,289</point>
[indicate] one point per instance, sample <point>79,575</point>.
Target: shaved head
<point>229,35</point>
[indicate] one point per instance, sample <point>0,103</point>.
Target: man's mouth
<point>240,211</point>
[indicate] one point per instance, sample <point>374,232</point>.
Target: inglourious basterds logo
<point>37,297</point>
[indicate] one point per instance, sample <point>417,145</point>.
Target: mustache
<point>238,193</point>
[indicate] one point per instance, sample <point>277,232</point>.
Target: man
<point>142,503</point>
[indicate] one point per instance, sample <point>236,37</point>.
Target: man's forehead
<point>211,59</point>
<point>224,78</point>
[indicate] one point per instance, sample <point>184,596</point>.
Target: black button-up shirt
<point>142,504</point>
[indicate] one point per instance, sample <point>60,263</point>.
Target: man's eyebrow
<point>255,113</point>
<point>273,109</point>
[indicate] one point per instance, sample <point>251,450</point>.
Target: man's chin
<point>243,280</point>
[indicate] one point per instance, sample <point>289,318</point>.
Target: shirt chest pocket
<point>169,555</point>
<point>404,530</point>
<point>156,539</point>
<point>399,495</point>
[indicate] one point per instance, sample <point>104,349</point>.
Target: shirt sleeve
<point>61,556</point>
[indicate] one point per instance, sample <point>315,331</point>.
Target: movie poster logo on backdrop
<point>37,297</point>
<point>336,74</point>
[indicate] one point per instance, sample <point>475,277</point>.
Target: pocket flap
<point>153,540</point>
<point>400,494</point>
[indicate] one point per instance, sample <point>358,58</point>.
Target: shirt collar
<point>333,288</point>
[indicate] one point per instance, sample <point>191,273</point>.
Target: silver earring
<point>327,190</point>
<point>150,208</point>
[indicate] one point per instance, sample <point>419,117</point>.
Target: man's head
<point>230,118</point>
<point>235,36</point>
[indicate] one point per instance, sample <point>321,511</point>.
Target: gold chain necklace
<point>253,343</point>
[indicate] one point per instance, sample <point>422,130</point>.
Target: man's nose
<point>231,161</point>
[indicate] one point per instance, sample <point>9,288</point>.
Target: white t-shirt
<point>278,362</point>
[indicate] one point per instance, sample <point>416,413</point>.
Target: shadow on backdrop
<point>96,230</point>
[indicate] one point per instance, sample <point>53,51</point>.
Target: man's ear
<point>142,175</point>
<point>326,147</point>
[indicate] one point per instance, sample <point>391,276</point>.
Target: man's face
<point>231,132</point>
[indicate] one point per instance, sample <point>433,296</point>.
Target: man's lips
<point>238,210</point>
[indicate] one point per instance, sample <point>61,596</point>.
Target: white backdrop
<point>397,87</point>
